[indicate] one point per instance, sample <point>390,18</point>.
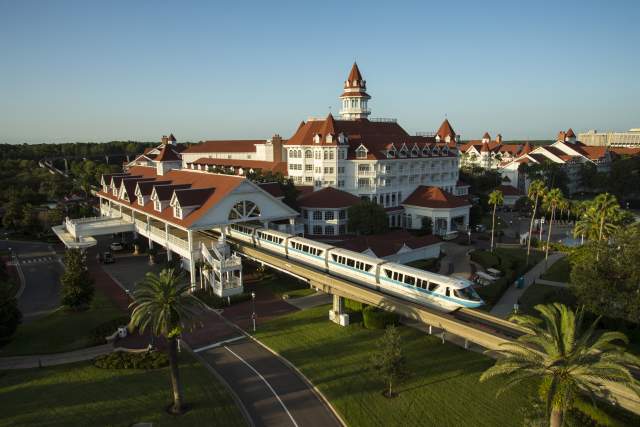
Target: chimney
<point>499,138</point>
<point>276,140</point>
<point>164,139</point>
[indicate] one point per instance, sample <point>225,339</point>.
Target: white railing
<point>141,224</point>
<point>178,241</point>
<point>158,232</point>
<point>126,217</point>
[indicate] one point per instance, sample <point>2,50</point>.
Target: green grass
<point>487,221</point>
<point>544,294</point>
<point>62,330</point>
<point>284,285</point>
<point>83,395</point>
<point>559,271</point>
<point>442,389</point>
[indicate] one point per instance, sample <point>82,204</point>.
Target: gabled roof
<point>570,133</point>
<point>189,197</point>
<point>328,198</point>
<point>165,191</point>
<point>486,136</point>
<point>146,187</point>
<point>434,197</point>
<point>167,155</point>
<point>272,188</point>
<point>388,243</point>
<point>223,185</point>
<point>446,130</point>
<point>509,190</point>
<point>229,146</point>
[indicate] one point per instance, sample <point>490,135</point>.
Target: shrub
<point>100,332</point>
<point>125,360</point>
<point>10,315</point>
<point>375,318</point>
<point>485,258</point>
<point>213,301</point>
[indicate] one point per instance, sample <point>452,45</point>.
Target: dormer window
<point>177,212</point>
<point>391,153</point>
<point>157,205</point>
<point>342,139</point>
<point>414,152</point>
<point>140,200</point>
<point>403,152</point>
<point>329,139</point>
<point>317,138</point>
<point>361,153</point>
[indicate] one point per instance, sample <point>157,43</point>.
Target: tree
<point>605,279</point>
<point>495,198</point>
<point>552,200</point>
<point>367,218</point>
<point>568,360</point>
<point>536,191</point>
<point>12,214</point>
<point>10,315</point>
<point>162,303</point>
<point>76,283</point>
<point>388,362</point>
<point>29,222</point>
<point>607,211</point>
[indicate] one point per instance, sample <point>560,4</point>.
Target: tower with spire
<point>354,97</point>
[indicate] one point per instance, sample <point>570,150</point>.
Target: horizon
<point>81,72</point>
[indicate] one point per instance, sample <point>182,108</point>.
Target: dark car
<point>108,258</point>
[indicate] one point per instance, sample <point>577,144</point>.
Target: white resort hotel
<point>176,195</point>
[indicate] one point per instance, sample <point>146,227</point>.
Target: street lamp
<point>469,235</point>
<point>253,310</point>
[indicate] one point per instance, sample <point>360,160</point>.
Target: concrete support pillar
<point>337,314</point>
<point>265,224</point>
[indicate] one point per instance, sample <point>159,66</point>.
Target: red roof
<point>570,133</point>
<point>329,198</point>
<point>434,197</point>
<point>628,151</point>
<point>375,136</point>
<point>509,190</point>
<point>354,75</point>
<point>388,243</point>
<point>275,167</point>
<point>230,146</point>
<point>167,155</point>
<point>222,184</point>
<point>486,136</point>
<point>193,196</point>
<point>172,138</point>
<point>272,188</point>
<point>526,149</point>
<point>446,130</point>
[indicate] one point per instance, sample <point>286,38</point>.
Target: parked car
<point>480,228</point>
<point>116,246</point>
<point>108,258</point>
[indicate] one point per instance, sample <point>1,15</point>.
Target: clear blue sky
<point>105,70</point>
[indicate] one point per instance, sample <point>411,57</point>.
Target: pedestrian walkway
<point>42,360</point>
<point>553,283</point>
<point>504,307</point>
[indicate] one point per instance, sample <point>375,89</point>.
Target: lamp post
<point>469,235</point>
<point>253,310</point>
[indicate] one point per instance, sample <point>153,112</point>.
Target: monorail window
<point>350,262</point>
<point>409,280</point>
<point>448,292</point>
<point>389,273</point>
<point>433,287</point>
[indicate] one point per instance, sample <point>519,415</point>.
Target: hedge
<point>375,318</point>
<point>125,360</point>
<point>212,300</point>
<point>354,305</point>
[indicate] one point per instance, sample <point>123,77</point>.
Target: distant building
<point>489,154</point>
<point>611,139</point>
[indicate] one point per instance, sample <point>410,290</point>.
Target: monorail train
<point>434,290</point>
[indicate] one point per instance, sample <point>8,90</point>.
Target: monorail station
<point>178,209</point>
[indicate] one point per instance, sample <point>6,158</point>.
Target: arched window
<point>308,154</point>
<point>244,209</point>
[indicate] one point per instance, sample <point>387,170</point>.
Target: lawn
<point>83,395</point>
<point>442,389</point>
<point>544,294</point>
<point>62,330</point>
<point>559,271</point>
<point>282,285</point>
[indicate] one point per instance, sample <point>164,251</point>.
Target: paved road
<point>41,268</point>
<point>273,394</point>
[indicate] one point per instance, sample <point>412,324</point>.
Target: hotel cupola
<point>354,98</point>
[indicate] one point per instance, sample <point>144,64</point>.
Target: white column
<point>192,263</point>
<point>166,240</point>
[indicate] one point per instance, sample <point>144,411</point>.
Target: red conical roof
<point>355,73</point>
<point>486,136</point>
<point>355,79</point>
<point>570,133</point>
<point>446,130</point>
<point>329,126</point>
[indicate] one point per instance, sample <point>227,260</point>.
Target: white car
<point>116,246</point>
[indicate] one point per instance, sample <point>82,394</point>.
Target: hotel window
<point>363,168</point>
<point>318,154</point>
<point>317,229</point>
<point>331,155</point>
<point>308,179</point>
<point>340,184</point>
<point>318,169</point>
<point>177,212</point>
<point>328,215</point>
<point>341,169</point>
<point>343,229</point>
<point>361,153</point>
<point>157,205</point>
<point>308,154</point>
<point>326,155</point>
<point>308,168</point>
<point>328,170</point>
<point>305,214</point>
<point>317,215</point>
<point>342,214</point>
<point>329,230</point>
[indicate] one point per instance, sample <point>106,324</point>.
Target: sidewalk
<point>39,361</point>
<point>504,307</point>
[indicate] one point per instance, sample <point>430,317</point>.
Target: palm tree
<point>569,361</point>
<point>536,190</point>
<point>607,210</point>
<point>552,200</point>
<point>495,198</point>
<point>163,304</point>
